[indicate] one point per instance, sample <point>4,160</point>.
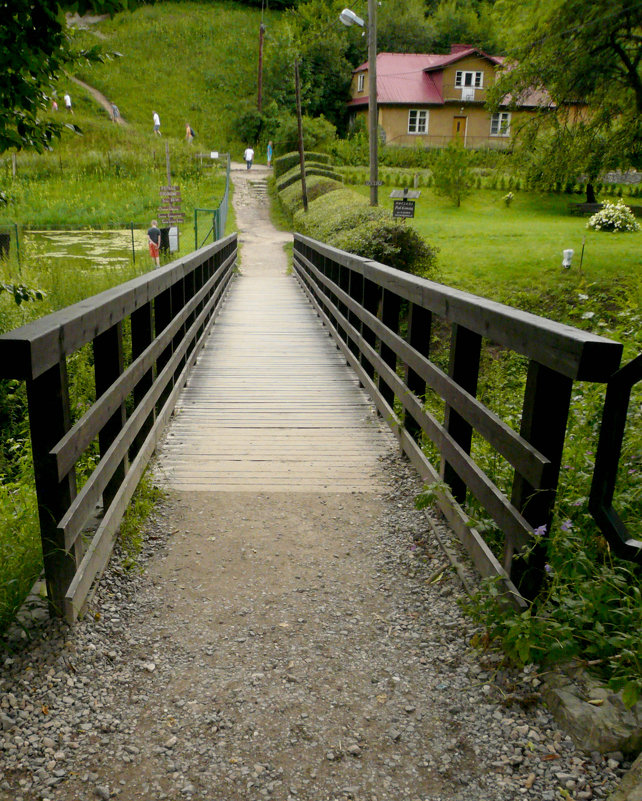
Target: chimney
<point>458,48</point>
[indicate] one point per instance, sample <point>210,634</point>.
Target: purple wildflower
<point>540,530</point>
<point>566,525</point>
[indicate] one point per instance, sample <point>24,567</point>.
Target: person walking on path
<point>68,103</point>
<point>248,156</point>
<point>269,154</point>
<point>115,113</point>
<point>153,237</point>
<point>157,130</point>
<point>189,133</point>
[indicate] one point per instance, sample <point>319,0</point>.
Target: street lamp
<point>348,17</point>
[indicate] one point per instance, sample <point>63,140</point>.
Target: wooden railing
<point>164,318</point>
<point>361,302</point>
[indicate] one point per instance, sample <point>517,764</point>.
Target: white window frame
<point>360,81</point>
<point>418,121</point>
<point>500,123</point>
<point>469,78</point>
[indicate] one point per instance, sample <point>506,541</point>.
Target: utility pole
<point>259,103</point>
<point>372,103</point>
<point>299,119</point>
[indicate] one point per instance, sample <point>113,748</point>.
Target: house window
<point>469,78</point>
<point>500,124</point>
<point>417,121</point>
<point>360,82</point>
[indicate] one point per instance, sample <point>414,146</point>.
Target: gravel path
<point>281,646</point>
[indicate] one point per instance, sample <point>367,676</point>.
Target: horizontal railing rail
<point>145,336</point>
<point>363,303</point>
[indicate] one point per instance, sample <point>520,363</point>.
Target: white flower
<point>588,315</point>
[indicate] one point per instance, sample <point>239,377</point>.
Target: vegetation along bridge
<point>265,400</point>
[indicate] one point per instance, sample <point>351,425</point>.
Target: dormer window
<point>360,81</point>
<point>474,79</point>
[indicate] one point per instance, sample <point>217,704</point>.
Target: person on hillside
<point>189,133</point>
<point>153,237</point>
<point>68,103</point>
<point>249,157</point>
<point>156,123</point>
<point>269,154</point>
<point>54,105</point>
<point>115,113</point>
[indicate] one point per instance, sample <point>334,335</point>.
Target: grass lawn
<point>495,251</point>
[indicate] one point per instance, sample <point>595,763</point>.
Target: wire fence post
<point>133,249</point>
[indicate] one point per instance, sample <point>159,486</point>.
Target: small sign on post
<point>403,208</point>
<point>403,202</point>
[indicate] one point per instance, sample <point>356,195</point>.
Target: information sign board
<point>403,208</point>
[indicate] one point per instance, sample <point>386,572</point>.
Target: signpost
<point>403,202</point>
<point>169,211</point>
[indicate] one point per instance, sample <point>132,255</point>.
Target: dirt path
<point>99,97</point>
<point>291,646</point>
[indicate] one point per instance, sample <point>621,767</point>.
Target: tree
<point>587,55</point>
<point>461,22</point>
<point>451,172</point>
<point>35,46</point>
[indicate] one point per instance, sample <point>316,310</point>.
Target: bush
<point>311,168</point>
<point>317,186</point>
<point>249,126</point>
<point>284,163</point>
<point>390,242</point>
<point>452,173</point>
<point>615,217</point>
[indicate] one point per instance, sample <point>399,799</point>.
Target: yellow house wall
<point>394,119</point>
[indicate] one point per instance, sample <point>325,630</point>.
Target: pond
<point>89,250</point>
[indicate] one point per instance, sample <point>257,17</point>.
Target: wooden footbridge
<point>258,396</point>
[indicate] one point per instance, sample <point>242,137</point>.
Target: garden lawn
<point>498,251</point>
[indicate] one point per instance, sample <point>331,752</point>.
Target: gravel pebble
<point>356,680</point>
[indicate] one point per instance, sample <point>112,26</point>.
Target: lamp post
<point>348,17</point>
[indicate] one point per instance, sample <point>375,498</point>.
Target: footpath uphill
<point>294,634</point>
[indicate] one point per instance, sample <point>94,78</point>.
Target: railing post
<point>162,318</point>
<point>355,290</point>
<point>547,400</point>
<point>142,334</point>
<point>343,280</point>
<point>49,420</point>
<point>390,310</point>
<point>465,353</point>
<point>108,366</point>
<point>419,329</point>
<point>371,299</point>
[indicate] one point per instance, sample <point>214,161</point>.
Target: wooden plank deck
<point>271,405</point>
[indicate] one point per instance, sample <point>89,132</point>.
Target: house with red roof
<point>431,99</point>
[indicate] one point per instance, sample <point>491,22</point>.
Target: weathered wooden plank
<point>521,454</point>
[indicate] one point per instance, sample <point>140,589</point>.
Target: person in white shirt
<point>248,156</point>
<point>68,103</point>
<point>156,123</point>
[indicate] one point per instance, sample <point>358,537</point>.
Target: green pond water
<point>89,250</point>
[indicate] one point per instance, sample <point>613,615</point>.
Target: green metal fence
<point>219,215</point>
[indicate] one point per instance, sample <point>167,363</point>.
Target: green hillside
<point>190,62</point>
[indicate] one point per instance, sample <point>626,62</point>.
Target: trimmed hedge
<point>284,163</point>
<point>344,219</point>
<point>292,197</point>
<point>294,175</point>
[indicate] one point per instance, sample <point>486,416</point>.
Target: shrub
<point>311,168</point>
<point>390,242</point>
<point>317,186</point>
<point>248,126</point>
<point>452,173</point>
<point>284,163</point>
<point>615,217</point>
